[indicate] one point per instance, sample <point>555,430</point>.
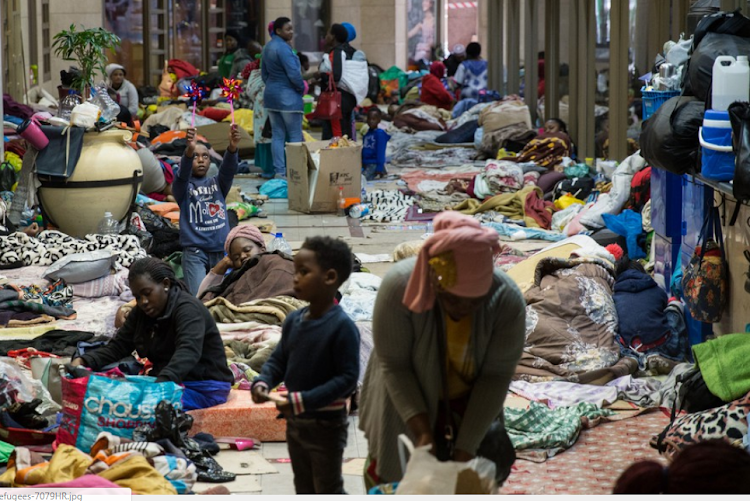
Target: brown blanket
<point>264,276</point>
<point>571,322</point>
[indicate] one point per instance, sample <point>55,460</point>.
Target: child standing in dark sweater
<point>204,225</point>
<point>318,360</point>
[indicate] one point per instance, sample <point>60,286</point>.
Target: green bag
<point>5,452</point>
<point>8,176</point>
<point>175,261</point>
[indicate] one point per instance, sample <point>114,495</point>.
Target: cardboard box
<point>218,137</point>
<point>315,187</point>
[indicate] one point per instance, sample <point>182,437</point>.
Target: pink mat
<point>241,417</point>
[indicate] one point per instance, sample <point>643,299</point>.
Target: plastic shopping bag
<point>97,403</point>
<point>426,475</point>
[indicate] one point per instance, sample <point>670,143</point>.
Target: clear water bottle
<point>67,104</point>
<point>279,243</point>
<point>101,98</point>
<point>108,225</point>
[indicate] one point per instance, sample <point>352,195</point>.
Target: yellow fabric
<point>460,363</point>
<point>508,204</point>
<point>244,118</point>
<point>68,463</point>
<point>523,273</point>
<point>566,201</point>
<point>136,474</point>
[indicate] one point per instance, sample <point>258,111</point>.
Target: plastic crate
<point>652,99</point>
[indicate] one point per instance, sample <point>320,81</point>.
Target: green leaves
<point>88,48</point>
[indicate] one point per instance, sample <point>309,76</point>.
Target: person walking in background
<point>471,75</point>
<point>282,74</point>
<point>454,60</point>
<point>333,64</point>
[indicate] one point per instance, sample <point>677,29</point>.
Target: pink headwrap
<point>473,248</point>
<point>249,231</point>
<point>271,31</point>
<point>437,68</point>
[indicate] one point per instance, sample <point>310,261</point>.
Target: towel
<point>723,363</point>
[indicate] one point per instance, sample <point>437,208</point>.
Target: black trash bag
<point>152,220</point>
<point>701,63</point>
<point>739,116</point>
<point>723,23</point>
<point>497,447</point>
<point>173,425</point>
<point>145,238</point>
<point>579,187</point>
<point>669,140</point>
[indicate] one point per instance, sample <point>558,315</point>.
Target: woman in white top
<point>126,92</point>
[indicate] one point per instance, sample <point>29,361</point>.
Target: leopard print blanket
<point>50,245</point>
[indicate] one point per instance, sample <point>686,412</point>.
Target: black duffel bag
<point>669,140</point>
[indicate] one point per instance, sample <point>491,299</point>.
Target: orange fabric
<point>434,93</point>
<point>164,208</point>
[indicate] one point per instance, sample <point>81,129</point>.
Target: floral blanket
<point>571,320</point>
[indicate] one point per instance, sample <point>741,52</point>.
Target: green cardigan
<point>403,376</point>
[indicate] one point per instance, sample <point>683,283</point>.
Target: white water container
<point>731,81</point>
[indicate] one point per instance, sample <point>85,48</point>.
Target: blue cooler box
<point>717,158</point>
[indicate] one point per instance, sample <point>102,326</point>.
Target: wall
<point>736,241</point>
<point>86,13</point>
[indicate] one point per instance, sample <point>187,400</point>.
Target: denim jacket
<point>282,75</point>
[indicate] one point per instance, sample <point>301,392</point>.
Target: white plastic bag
<point>85,115</point>
<point>426,475</point>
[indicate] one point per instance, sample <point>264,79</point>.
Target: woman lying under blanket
<point>571,322</point>
<point>175,332</point>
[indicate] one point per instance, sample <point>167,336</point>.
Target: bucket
<point>31,132</point>
<point>715,137</point>
<point>730,81</point>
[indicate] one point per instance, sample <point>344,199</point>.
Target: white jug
<point>731,82</point>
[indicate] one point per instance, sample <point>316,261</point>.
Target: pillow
<point>81,267</point>
<point>108,285</point>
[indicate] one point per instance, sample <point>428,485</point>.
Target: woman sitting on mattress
<point>175,332</point>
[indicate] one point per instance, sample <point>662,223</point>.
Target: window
<point>46,42</point>
<point>311,21</point>
<point>33,40</point>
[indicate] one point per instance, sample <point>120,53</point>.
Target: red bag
<point>329,103</point>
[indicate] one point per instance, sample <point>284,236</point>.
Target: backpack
<point>579,187</point>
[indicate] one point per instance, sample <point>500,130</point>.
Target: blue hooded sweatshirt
<point>640,304</point>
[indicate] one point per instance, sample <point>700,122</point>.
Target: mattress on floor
<point>241,417</point>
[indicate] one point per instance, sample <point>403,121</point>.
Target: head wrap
<point>351,30</point>
<point>110,68</point>
<point>249,231</point>
<point>437,68</point>
<point>459,50</point>
<point>461,253</point>
<point>271,31</point>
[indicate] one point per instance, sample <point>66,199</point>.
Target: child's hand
<point>234,138</point>
<point>260,394</point>
<point>284,407</point>
<point>191,141</point>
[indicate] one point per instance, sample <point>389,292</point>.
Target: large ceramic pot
<point>106,178</point>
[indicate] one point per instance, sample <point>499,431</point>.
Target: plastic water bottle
<point>108,225</point>
<point>101,98</point>
<point>359,210</point>
<point>67,104</point>
<point>341,203</point>
<point>279,243</point>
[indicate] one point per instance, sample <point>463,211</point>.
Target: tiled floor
<point>283,481</point>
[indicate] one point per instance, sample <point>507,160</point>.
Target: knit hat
<point>459,50</point>
<point>460,252</point>
<point>352,31</point>
<point>437,68</point>
<point>111,68</point>
<point>236,35</point>
<point>249,231</point>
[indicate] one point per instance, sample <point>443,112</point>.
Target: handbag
<point>329,103</point>
<point>704,282</point>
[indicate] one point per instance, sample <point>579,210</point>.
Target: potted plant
<point>88,49</point>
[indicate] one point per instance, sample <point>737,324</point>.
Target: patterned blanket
<point>19,249</point>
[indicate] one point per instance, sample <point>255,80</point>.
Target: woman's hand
<point>122,315</point>
<point>222,266</point>
<point>284,407</point>
<point>426,439</point>
<point>77,362</point>
<point>234,138</point>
